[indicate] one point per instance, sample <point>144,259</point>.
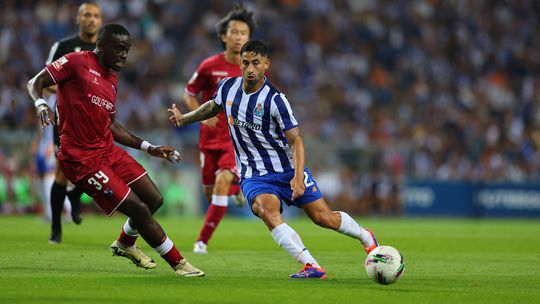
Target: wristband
<point>39,101</point>
<point>145,145</point>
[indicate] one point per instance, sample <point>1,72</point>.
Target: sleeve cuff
<point>52,76</point>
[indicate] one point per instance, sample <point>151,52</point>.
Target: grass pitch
<point>447,261</point>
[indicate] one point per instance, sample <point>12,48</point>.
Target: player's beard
<point>253,81</point>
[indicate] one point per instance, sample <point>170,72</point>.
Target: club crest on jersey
<point>259,110</point>
<point>59,63</point>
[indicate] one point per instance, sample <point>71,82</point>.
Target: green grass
<point>447,261</point>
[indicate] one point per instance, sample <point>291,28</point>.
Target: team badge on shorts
<point>259,110</point>
<point>108,191</point>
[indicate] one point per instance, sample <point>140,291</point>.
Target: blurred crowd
<point>416,89</point>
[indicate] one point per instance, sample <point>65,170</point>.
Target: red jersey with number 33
<point>205,82</point>
<point>86,99</point>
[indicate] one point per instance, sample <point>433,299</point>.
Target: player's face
<point>89,19</point>
<point>237,34</point>
<point>253,67</point>
<point>114,51</point>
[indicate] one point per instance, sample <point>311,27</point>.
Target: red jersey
<point>86,99</point>
<point>205,80</point>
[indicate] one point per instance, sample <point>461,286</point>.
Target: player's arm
<point>207,110</point>
<point>126,138</point>
<point>193,104</point>
<point>35,88</point>
<point>297,146</point>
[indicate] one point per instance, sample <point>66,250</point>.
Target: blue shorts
<point>45,164</point>
<point>279,184</point>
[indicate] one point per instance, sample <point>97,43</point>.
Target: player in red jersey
<point>87,88</point>
<point>89,21</point>
<point>218,165</point>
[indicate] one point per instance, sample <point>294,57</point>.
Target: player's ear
<point>99,45</point>
<point>267,63</point>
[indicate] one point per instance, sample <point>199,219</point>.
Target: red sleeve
<point>64,67</point>
<point>198,81</point>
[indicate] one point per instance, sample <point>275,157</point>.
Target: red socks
<point>213,217</point>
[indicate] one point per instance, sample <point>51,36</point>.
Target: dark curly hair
<point>255,46</point>
<point>111,29</point>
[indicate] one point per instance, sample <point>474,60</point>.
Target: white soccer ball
<point>384,265</point>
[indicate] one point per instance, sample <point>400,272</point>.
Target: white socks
<point>289,240</point>
<point>220,200</point>
<point>130,230</point>
<point>351,228</point>
<point>164,247</point>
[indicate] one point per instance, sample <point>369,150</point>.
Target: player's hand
<point>176,118</point>
<point>46,116</point>
<point>166,152</point>
<point>210,122</point>
<point>297,187</point>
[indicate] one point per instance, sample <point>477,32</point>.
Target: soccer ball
<point>384,265</point>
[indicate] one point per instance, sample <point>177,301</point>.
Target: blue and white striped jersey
<point>257,123</point>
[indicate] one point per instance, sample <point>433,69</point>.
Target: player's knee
<point>137,210</point>
<point>224,179</point>
<point>260,209</point>
<point>270,216</point>
<point>157,202</point>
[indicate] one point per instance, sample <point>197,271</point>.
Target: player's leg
<point>46,179</point>
<point>216,210</point>
<point>47,182</point>
<point>74,195</point>
<point>268,208</point>
<point>112,193</point>
<point>136,177</point>
<point>152,232</point>
<point>58,196</point>
<point>317,209</point>
<point>321,214</point>
<point>200,246</point>
<point>149,194</point>
<point>227,161</point>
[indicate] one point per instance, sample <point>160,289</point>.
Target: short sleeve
<point>64,67</point>
<point>198,81</point>
<point>218,97</point>
<point>282,112</point>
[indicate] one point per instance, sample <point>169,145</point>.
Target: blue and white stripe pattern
<point>257,123</point>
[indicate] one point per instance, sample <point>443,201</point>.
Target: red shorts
<point>215,161</point>
<point>109,183</point>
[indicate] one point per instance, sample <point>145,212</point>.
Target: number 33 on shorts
<point>98,180</point>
